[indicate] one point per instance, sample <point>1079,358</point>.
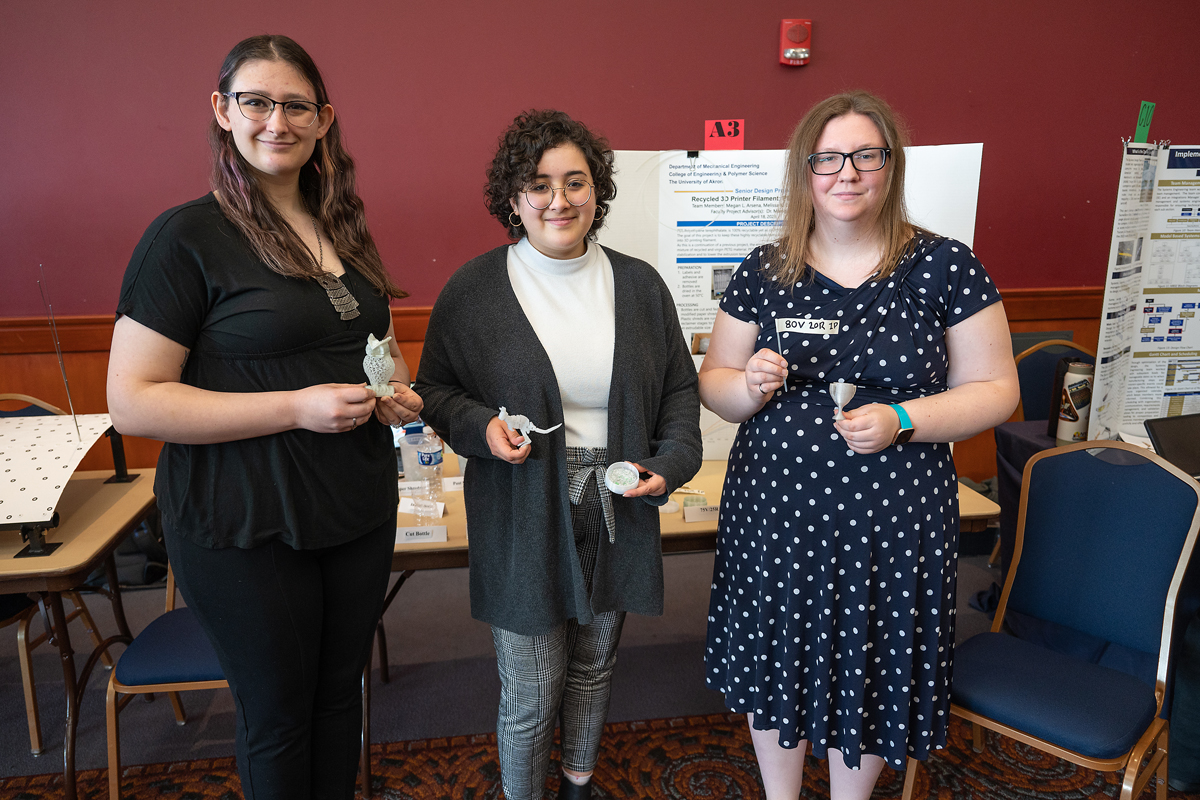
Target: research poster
<point>716,211</point>
<point>696,216</point>
<point>1148,359</point>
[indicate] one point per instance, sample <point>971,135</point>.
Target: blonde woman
<point>831,621</point>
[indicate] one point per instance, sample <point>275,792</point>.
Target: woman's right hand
<point>765,372</point>
<point>146,398</point>
<point>505,444</point>
<point>333,407</point>
<point>735,381</point>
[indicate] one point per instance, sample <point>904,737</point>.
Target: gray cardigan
<point>481,353</point>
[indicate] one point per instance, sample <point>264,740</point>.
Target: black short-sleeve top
<point>194,279</point>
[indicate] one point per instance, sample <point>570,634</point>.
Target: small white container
<point>621,477</point>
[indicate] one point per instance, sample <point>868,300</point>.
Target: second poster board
<point>1148,359</point>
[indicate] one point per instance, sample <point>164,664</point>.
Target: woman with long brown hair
<point>243,320</point>
<point>831,620</point>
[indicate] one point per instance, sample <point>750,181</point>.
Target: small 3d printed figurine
<point>379,366</point>
<point>519,422</point>
<point>841,393</point>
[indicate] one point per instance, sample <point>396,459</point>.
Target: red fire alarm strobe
<point>795,42</point>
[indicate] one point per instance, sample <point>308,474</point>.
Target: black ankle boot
<point>571,791</point>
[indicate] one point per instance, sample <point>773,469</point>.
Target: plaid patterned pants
<point>564,675</point>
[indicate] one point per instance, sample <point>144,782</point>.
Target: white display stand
<point>38,455</point>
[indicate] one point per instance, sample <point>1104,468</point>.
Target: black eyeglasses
<point>869,159</point>
<point>259,107</point>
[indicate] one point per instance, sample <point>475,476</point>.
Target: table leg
<point>380,636</point>
<point>63,641</point>
<point>114,588</point>
<point>391,595</point>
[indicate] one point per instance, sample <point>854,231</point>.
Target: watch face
<point>903,436</point>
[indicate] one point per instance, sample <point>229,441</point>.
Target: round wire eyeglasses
<point>541,195</point>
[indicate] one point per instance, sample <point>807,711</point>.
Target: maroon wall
<point>106,106</point>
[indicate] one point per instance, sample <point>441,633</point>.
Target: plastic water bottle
<point>397,440</point>
<point>405,462</point>
<point>429,457</point>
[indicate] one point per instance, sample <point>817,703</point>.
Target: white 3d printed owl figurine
<point>379,366</point>
<point>520,422</point>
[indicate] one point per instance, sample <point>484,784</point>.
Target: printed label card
<point>427,533</point>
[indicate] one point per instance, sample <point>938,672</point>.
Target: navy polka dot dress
<point>832,609</point>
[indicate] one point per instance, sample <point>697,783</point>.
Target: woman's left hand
<point>401,409</point>
<point>869,428</point>
<point>654,485</point>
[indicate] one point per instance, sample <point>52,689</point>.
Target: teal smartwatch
<point>906,427</point>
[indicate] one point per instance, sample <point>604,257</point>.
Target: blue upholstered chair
<point>1035,374</point>
<point>1036,366</point>
<point>172,655</point>
<point>28,406</point>
<point>22,609</point>
<point>1104,539</point>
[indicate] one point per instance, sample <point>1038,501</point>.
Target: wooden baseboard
<point>93,333</point>
<point>28,362</point>
<point>1064,303</point>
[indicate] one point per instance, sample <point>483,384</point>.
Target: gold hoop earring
<point>599,214</point>
<point>516,224</point>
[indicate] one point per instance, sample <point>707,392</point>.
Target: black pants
<point>293,631</point>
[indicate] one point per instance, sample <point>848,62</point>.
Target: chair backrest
<point>1103,544</point>
<point>33,407</point>
<point>1035,374</point>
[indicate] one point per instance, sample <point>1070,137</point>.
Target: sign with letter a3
<point>724,134</point>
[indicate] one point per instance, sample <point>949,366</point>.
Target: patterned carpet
<point>693,758</point>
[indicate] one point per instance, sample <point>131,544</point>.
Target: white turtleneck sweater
<point>569,303</point>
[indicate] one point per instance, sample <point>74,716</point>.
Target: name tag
<point>429,533</point>
<point>826,327</point>
<point>448,485</point>
<point>700,513</point>
<point>409,506</point>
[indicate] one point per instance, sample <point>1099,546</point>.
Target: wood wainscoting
<point>28,363</point>
<point>1076,309</point>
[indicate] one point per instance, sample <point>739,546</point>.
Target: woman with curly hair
<point>243,321</point>
<point>560,330</point>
